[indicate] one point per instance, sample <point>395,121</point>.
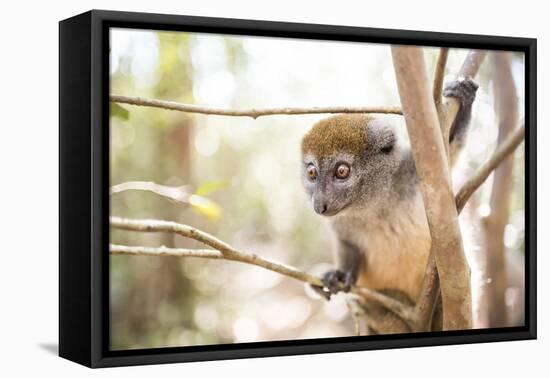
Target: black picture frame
<point>84,197</point>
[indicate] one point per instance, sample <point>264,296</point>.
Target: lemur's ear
<point>387,140</point>
<point>380,137</point>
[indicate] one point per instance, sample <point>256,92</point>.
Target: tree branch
<point>254,113</point>
<point>440,75</point>
<point>433,169</point>
<point>513,140</point>
<point>223,250</point>
<point>425,306</point>
<point>506,106</point>
<point>228,252</point>
<point>472,63</point>
<point>181,194</point>
<point>117,249</point>
<point>469,68</point>
<point>178,193</point>
<point>450,106</point>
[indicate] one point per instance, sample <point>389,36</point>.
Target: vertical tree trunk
<point>494,224</point>
<point>429,318</point>
<point>433,169</point>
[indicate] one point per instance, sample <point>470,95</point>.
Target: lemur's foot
<point>321,291</point>
<point>335,281</point>
<point>464,89</point>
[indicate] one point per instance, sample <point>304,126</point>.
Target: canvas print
<point>270,189</point>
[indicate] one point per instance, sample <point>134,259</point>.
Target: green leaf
<point>119,111</point>
<point>209,187</point>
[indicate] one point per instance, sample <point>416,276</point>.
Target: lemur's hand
<point>335,281</point>
<point>464,89</point>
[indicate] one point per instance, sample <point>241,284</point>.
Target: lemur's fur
<point>377,212</point>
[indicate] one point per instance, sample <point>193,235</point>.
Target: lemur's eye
<point>311,172</point>
<point>387,149</point>
<point>342,171</point>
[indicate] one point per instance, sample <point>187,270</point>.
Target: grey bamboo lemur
<point>356,171</point>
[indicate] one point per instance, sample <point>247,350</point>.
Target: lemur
<point>363,178</point>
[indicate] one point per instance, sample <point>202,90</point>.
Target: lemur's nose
<point>320,206</point>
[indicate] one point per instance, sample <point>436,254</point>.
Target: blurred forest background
<point>250,170</point>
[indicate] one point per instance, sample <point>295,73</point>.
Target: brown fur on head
<point>344,133</point>
<point>359,145</point>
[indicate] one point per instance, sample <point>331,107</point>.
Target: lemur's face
<point>330,182</point>
<point>348,161</point>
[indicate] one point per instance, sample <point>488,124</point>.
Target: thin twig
<point>472,63</point>
<point>356,312</point>
<point>449,107</point>
<point>227,252</point>
<point>181,194</point>
<point>440,75</point>
<point>405,312</point>
<point>254,113</point>
<point>116,249</point>
<point>475,181</point>
<point>176,193</point>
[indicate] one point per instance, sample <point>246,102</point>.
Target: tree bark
<point>433,169</point>
<point>253,113</point>
<point>495,223</point>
